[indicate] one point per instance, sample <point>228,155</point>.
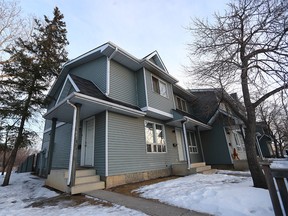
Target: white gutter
<point>186,143</point>
<point>108,71</point>
<point>72,142</point>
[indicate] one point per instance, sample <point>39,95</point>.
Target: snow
<point>279,164</point>
<point>224,193</point>
<point>25,189</point>
<point>217,194</point>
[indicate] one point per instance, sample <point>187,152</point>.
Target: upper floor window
<point>159,87</point>
<point>181,104</point>
<point>155,137</point>
<point>192,142</point>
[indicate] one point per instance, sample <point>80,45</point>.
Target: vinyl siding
<point>99,150</point>
<point>95,71</point>
<point>157,101</point>
<point>141,89</point>
<point>122,83</point>
<point>215,145</point>
<point>127,147</point>
<point>61,151</point>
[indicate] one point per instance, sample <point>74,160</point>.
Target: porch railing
<point>276,179</point>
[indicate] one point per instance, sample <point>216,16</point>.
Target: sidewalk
<point>144,205</point>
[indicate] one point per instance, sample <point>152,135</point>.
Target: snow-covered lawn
<point>219,194</point>
<point>225,193</point>
<point>26,189</point>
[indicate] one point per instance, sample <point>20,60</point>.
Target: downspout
<point>74,143</point>
<point>186,143</point>
<point>108,71</point>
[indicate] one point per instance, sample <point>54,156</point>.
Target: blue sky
<point>137,26</point>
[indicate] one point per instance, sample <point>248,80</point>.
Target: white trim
<point>84,129</point>
<point>99,101</point>
<point>57,125</point>
<point>101,48</point>
<point>145,84</point>
<point>151,109</point>
<point>198,123</point>
<point>155,53</point>
<point>108,77</point>
<point>106,143</point>
<point>185,103</point>
<point>62,89</point>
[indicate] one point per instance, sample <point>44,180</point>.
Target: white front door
<point>88,138</point>
<point>179,140</point>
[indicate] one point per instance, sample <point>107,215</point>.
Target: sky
<point>137,26</point>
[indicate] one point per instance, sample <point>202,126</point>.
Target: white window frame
<point>183,102</point>
<point>163,94</point>
<point>155,145</point>
<point>239,141</point>
<point>193,146</point>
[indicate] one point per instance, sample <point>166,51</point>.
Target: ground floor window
<point>238,140</point>
<point>155,137</point>
<point>192,142</point>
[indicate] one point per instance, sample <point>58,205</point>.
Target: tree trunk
<point>18,141</point>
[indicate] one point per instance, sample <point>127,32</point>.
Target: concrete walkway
<point>143,205</point>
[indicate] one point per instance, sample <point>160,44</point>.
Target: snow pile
<point>25,189</point>
<point>216,194</point>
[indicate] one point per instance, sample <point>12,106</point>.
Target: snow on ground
<point>25,189</point>
<point>217,194</point>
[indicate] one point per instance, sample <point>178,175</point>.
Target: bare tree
<point>12,26</point>
<point>247,47</point>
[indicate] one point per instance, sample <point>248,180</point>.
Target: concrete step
<point>82,172</point>
<point>195,165</point>
<point>82,188</point>
<point>211,171</point>
<point>202,169</point>
<point>87,179</point>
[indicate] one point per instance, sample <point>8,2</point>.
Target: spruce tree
<point>35,64</point>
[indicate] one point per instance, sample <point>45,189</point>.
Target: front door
<point>87,147</point>
<point>179,139</point>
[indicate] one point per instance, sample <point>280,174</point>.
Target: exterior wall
<point>157,101</point>
<point>215,145</point>
<point>95,71</point>
<point>99,154</point>
<point>61,152</point>
<point>127,146</point>
<point>141,95</point>
<point>122,83</point>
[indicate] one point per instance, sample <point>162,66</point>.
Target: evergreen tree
<point>35,64</point>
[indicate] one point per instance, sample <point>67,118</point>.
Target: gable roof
<point>88,88</point>
<point>112,51</point>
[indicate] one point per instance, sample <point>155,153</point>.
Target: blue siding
<point>141,89</point>
<point>61,152</point>
<point>157,101</point>
<point>95,71</point>
<point>127,146</point>
<point>122,83</point>
<point>99,154</point>
<point>215,145</point>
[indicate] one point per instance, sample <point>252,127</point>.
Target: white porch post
<point>186,143</point>
<point>74,144</point>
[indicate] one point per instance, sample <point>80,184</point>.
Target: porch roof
<point>179,117</point>
<point>63,111</point>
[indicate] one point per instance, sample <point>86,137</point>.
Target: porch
<point>85,180</point>
<point>180,169</point>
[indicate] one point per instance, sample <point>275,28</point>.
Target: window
<point>155,137</point>
<point>159,87</point>
<point>192,142</point>
<point>181,104</point>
